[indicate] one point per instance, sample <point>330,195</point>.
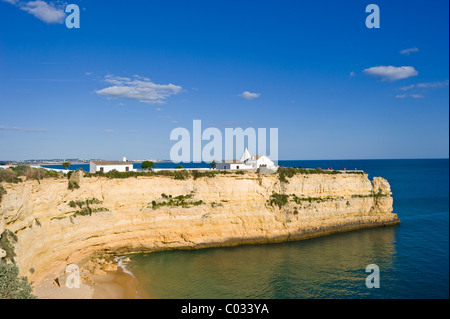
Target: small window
<point>127,169</point>
<point>237,167</point>
<point>101,169</point>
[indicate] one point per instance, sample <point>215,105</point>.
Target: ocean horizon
<point>338,164</point>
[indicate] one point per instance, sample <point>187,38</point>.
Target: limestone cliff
<point>56,226</point>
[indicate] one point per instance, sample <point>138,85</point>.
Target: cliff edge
<point>56,226</point>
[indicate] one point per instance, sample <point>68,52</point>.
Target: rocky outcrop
<point>56,226</point>
<point>77,176</point>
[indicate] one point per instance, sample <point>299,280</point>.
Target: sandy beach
<point>111,285</point>
<point>115,285</point>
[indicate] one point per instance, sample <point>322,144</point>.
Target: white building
<point>231,164</point>
<point>247,161</point>
<point>107,166</point>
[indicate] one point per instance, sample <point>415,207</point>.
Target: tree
<point>66,165</point>
<point>179,166</point>
<point>213,164</point>
<point>11,285</point>
<point>147,165</point>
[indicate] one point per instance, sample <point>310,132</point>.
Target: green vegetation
<point>198,174</point>
<point>66,165</point>
<point>179,167</point>
<point>281,199</point>
<point>9,176</point>
<point>2,192</point>
<point>73,185</point>
<point>172,201</point>
<point>214,205</point>
<point>289,172</point>
<point>7,241</point>
<point>85,208</point>
<point>179,174</point>
<point>299,200</point>
<point>12,175</point>
<point>375,195</point>
<point>278,199</point>
<point>213,164</point>
<point>11,285</point>
<point>86,202</point>
<point>147,165</point>
<point>379,195</point>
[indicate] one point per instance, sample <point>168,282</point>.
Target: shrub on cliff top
<point>181,175</point>
<point>198,174</point>
<point>11,175</point>
<point>289,172</point>
<point>11,285</point>
<point>30,172</point>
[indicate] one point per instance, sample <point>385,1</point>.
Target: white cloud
<point>352,73</point>
<point>138,88</point>
<point>406,88</point>
<point>409,51</point>
<point>47,12</point>
<point>414,96</point>
<point>426,85</point>
<point>108,131</point>
<point>237,123</point>
<point>233,123</point>
<point>249,96</point>
<point>391,73</point>
<point>440,84</point>
<point>21,129</point>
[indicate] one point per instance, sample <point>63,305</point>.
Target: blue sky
<point>135,70</point>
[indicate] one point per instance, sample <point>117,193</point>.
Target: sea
<point>412,258</point>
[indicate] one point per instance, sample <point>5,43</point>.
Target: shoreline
<point>110,279</point>
<point>113,284</point>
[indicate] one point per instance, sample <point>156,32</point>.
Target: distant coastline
<point>86,161</point>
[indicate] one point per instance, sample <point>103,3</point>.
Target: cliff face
<point>56,226</point>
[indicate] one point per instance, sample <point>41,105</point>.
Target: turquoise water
<point>413,257</point>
